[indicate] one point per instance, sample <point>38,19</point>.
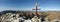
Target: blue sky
<point>29,4</point>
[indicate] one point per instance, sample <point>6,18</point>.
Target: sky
<point>29,4</point>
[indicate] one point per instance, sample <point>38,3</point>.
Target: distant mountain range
<point>15,11</point>
<point>7,11</point>
<point>12,11</point>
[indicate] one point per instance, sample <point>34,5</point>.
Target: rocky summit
<point>29,16</point>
